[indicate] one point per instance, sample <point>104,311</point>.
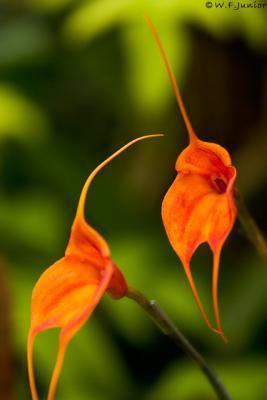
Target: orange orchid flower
<point>67,293</point>
<point>199,206</point>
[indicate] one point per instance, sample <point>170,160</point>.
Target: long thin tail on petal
<point>215,275</point>
<point>57,368</point>
<point>31,338</point>
<point>80,209</point>
<point>191,133</point>
<point>194,291</point>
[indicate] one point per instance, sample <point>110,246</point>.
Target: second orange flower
<point>199,206</point>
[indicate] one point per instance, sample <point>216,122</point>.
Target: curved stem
<point>166,325</point>
<point>251,228</point>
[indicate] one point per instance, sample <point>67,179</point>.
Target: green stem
<point>165,324</point>
<point>251,228</point>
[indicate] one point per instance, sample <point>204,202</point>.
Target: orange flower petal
<point>199,206</point>
<point>68,291</point>
<point>64,297</point>
<point>194,212</point>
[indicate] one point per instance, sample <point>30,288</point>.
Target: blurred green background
<point>78,79</point>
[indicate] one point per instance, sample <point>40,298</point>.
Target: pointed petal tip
<point>218,332</point>
<point>152,135</point>
<point>224,338</point>
<point>33,390</point>
<point>84,239</point>
<point>57,368</point>
<point>192,136</point>
<point>81,203</point>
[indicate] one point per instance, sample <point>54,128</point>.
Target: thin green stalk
<point>166,325</point>
<point>251,228</point>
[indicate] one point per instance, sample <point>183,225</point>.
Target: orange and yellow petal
<point>67,292</point>
<point>64,297</point>
<point>194,213</point>
<point>199,207</point>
